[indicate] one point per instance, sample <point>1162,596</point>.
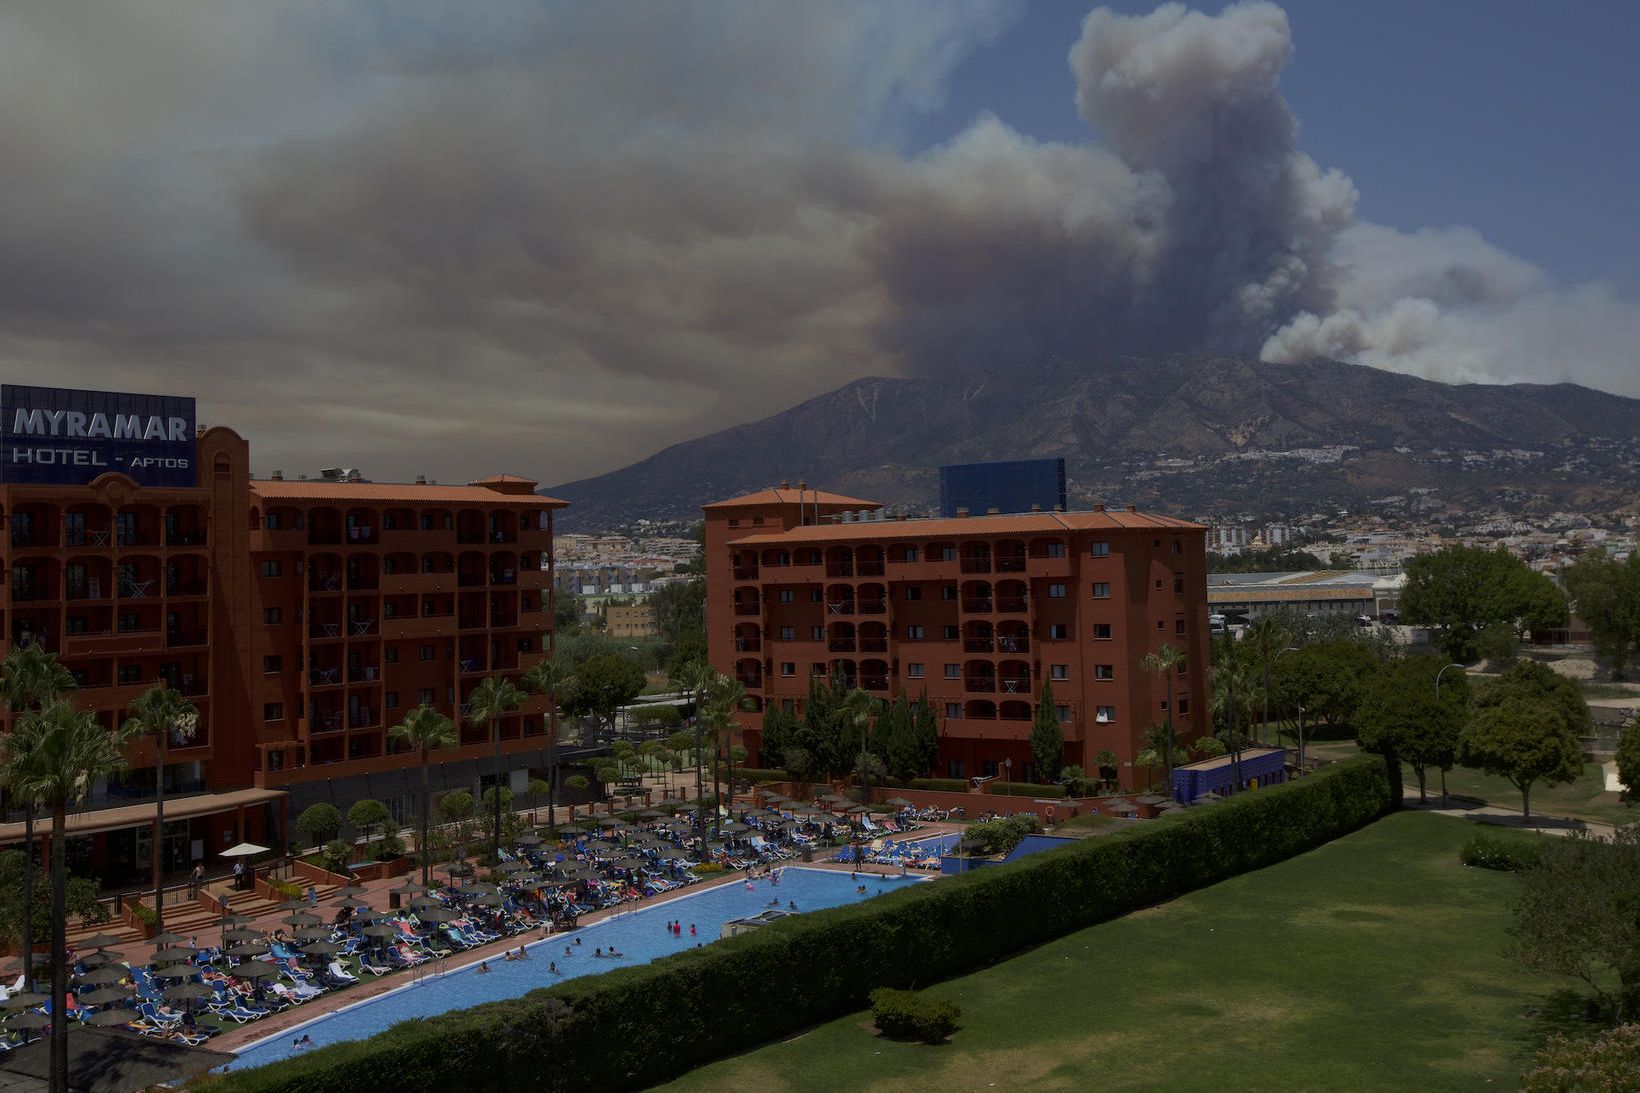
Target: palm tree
<point>158,712</point>
<point>855,714</point>
<point>1269,640</point>
<point>51,758</point>
<point>1165,662</point>
<point>493,698</point>
<point>30,679</point>
<point>1229,676</point>
<point>724,697</point>
<point>552,678</point>
<point>695,677</point>
<point>424,729</point>
<point>1105,760</point>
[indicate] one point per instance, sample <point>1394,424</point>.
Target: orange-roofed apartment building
<point>302,618</point>
<point>977,612</point>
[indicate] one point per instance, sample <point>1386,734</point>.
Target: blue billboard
<point>1010,486</point>
<point>56,436</point>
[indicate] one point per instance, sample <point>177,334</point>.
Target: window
<point>1101,590</point>
<point>272,616</point>
<point>734,521</point>
<point>271,568</point>
<point>912,553</point>
<point>913,593</point>
<point>273,711</point>
<point>1158,584</point>
<point>948,554</point>
<point>1161,624</point>
<point>757,521</point>
<point>788,595</point>
<point>1056,550</point>
<point>425,696</point>
<point>1056,591</point>
<point>1060,671</point>
<point>788,633</point>
<point>914,633</point>
<point>816,595</point>
<point>1104,671</point>
<point>950,632</point>
<point>988,768</point>
<point>953,768</point>
<point>391,654</point>
<point>426,651</point>
<point>953,710</point>
<point>788,667</point>
<point>272,664</point>
<point>1178,586</point>
<point>1178,627</point>
<point>271,521</point>
<point>1101,631</point>
<point>1058,631</point>
<point>1184,705</point>
<point>1104,713</point>
<point>391,700</point>
<point>948,591</point>
<point>953,671</point>
<point>817,633</point>
<point>1099,550</point>
<point>1178,547</point>
<point>914,671</point>
<point>1064,712</point>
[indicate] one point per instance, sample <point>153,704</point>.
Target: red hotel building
<point>977,611</point>
<point>302,618</point>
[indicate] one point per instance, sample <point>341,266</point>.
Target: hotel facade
<point>302,618</point>
<point>976,612</point>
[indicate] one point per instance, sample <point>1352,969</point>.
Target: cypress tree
<point>1047,738</point>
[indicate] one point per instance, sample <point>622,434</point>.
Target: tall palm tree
<point>158,712</point>
<point>723,699</point>
<point>1269,640</point>
<point>1230,696</point>
<point>1165,662</point>
<point>30,679</point>
<point>492,699</point>
<point>855,716</point>
<point>51,758</point>
<point>553,678</point>
<point>695,677</point>
<point>424,729</point>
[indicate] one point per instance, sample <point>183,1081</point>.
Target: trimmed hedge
<point>912,1015</point>
<point>1025,789</point>
<point>944,785</point>
<point>633,1027</point>
<point>1509,853</point>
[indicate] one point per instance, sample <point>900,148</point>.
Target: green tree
<point>80,897</point>
<point>1462,591</point>
<point>724,700</point>
<point>319,823</point>
<point>494,810</point>
<point>1270,560</point>
<point>455,806</point>
<point>695,677</point>
<point>31,679</point>
<point>680,611</point>
<point>1401,719</point>
<point>1266,640</point>
<point>1525,727</point>
<point>925,735</point>
<point>1327,678</point>
<point>567,611</point>
<point>1047,737</point>
<point>1106,763</point>
<point>488,703</point>
<point>896,739</point>
<point>1165,662</point>
<point>779,725</point>
<point>555,679</point>
<point>1628,761</point>
<point>602,686</point>
<point>161,713</point>
<point>425,730</point>
<point>1578,915</point>
<point>368,816</point>
<point>1606,595</point>
<point>854,717</point>
<point>52,757</point>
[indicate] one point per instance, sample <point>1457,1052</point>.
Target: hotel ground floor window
<point>953,769</point>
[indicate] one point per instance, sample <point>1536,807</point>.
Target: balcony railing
<point>841,645</point>
<point>977,605</point>
<point>750,682</point>
<point>185,538</point>
<point>984,684</point>
<point>743,607</point>
<point>873,645</point>
<point>840,607</point>
<point>325,582</point>
<point>1017,643</point>
<point>748,645</point>
<point>978,645</point>
<point>325,677</point>
<point>1016,685</point>
<point>874,683</point>
<point>873,607</point>
<point>844,570</point>
<point>745,572</point>
<point>1011,565</point>
<point>1013,604</point>
<point>179,639</point>
<point>322,630</point>
<point>870,569</point>
<point>976,564</point>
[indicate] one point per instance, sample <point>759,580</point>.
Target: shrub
<point>946,785</point>
<point>1001,836</point>
<point>707,868</point>
<point>319,823</point>
<point>912,1015</point>
<point>143,913</point>
<point>1605,1062</point>
<point>1505,853</point>
<point>756,774</point>
<point>624,1029</point>
<point>337,853</point>
<point>1025,789</point>
<point>287,889</point>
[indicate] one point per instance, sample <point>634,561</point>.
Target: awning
<point>177,808</point>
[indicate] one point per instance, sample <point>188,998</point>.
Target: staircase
<point>202,918</point>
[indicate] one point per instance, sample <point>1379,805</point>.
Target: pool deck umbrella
<point>248,948</point>
<point>313,933</point>
<point>173,954</point>
<point>527,840</point>
<point>187,992</point>
<point>1151,799</point>
<point>162,940</point>
<point>102,996</point>
<point>100,941</point>
<point>254,969</point>
<point>241,934</point>
<point>381,929</point>
<point>511,867</point>
<point>24,999</point>
<point>321,948</point>
<point>177,971</point>
<point>28,1019</point>
<point>112,973</point>
<point>302,918</point>
<point>459,869</point>
<point>101,957</point>
<point>351,890</point>
<point>244,850</point>
<point>112,1061</point>
<point>115,1015</point>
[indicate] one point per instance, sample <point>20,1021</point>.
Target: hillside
<point>1188,436</point>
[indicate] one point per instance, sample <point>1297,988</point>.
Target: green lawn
<point>1584,799</point>
<point>1375,962</point>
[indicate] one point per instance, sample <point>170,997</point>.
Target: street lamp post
<point>1438,676</point>
<point>1267,663</point>
<point>1301,741</point>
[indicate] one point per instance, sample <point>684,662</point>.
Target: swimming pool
<point>638,935</point>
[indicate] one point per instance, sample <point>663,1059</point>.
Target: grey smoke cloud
<point>455,238</point>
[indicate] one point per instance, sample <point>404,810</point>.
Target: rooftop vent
<point>277,476</point>
<point>962,511</point>
<point>421,480</point>
<point>785,483</point>
<point>802,484</point>
<point>1100,507</point>
<point>1036,506</point>
<point>993,511</point>
<point>1133,508</point>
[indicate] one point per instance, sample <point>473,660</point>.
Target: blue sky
<point>1517,119</point>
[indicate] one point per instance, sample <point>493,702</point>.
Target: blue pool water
<point>639,935</point>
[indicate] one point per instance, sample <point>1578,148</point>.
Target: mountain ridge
<point>1184,435</point>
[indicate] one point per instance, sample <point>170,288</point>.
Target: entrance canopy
<point>176,808</point>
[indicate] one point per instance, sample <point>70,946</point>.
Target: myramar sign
<point>61,437</point>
